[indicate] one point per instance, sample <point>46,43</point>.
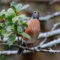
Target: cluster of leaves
<point>11,22</point>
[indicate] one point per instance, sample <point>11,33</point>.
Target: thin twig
<point>48,17</point>
<point>50,44</point>
<point>53,1</point>
<point>48,34</point>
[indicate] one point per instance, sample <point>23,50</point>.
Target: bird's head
<point>35,15</point>
<point>36,12</point>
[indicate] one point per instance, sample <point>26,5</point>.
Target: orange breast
<point>33,30</point>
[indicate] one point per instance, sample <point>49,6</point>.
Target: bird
<point>33,29</point>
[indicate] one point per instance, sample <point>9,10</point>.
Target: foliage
<point>11,22</point>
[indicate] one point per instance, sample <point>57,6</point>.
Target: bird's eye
<point>34,11</point>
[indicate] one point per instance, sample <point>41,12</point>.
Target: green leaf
<point>2,37</point>
<point>7,23</point>
<point>20,18</point>
<point>10,14</point>
<point>2,34</point>
<point>1,24</point>
<point>13,4</point>
<point>23,17</point>
<point>25,35</point>
<point>25,6</point>
<point>15,19</point>
<point>2,27</point>
<point>10,28</point>
<point>19,29</point>
<point>11,39</point>
<point>24,24</point>
<point>8,33</point>
<point>18,7</point>
<point>2,14</point>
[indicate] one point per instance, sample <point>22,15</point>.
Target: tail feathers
<point>20,50</point>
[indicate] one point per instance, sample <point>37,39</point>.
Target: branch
<point>50,51</point>
<point>53,1</point>
<point>50,44</point>
<point>54,26</point>
<point>16,51</point>
<point>48,34</point>
<point>34,49</point>
<point>9,52</point>
<point>39,47</point>
<point>48,17</point>
<point>45,50</point>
